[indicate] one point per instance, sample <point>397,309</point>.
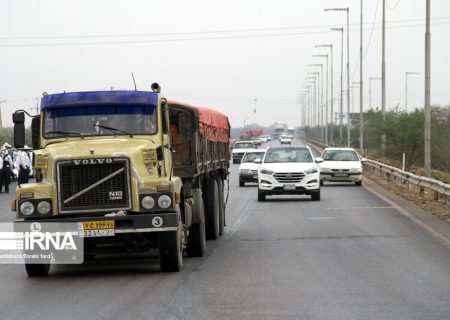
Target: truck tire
<point>212,210</point>
<point>196,246</point>
<point>37,270</point>
<point>221,204</point>
<point>170,251</point>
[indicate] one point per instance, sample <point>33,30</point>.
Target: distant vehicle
<point>341,165</point>
<point>263,138</point>
<point>240,148</point>
<point>278,131</point>
<point>248,170</point>
<point>288,170</point>
<point>266,138</point>
<point>285,139</point>
<point>257,141</point>
<point>291,132</point>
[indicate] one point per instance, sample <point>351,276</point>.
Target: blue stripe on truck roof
<point>98,98</point>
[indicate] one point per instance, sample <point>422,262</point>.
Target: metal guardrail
<point>404,179</point>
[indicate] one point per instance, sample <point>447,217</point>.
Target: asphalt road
<point>350,256</point>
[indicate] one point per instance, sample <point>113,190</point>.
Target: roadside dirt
<point>427,202</point>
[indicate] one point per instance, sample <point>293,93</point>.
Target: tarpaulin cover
<point>213,125</point>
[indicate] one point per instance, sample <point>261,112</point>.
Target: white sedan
<point>341,165</point>
<point>288,170</point>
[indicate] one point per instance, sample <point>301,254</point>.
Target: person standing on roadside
<point>7,165</point>
<point>23,164</point>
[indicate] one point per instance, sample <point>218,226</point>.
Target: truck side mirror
<point>35,131</point>
<point>19,129</point>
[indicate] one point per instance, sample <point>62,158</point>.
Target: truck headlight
<point>164,201</point>
<point>26,208</point>
<point>148,202</point>
<point>44,207</point>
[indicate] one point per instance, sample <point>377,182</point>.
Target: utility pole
<point>37,106</point>
<point>370,90</point>
<point>341,108</point>
<point>361,102</point>
<point>383,76</point>
<point>427,134</point>
<point>326,97</point>
<point>406,89</point>
<point>317,111</point>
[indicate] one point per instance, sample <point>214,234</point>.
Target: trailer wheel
<point>170,251</point>
<point>212,210</point>
<point>196,246</point>
<point>221,204</point>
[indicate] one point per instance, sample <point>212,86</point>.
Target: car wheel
<point>358,183</point>
<point>321,183</point>
<point>241,183</point>
<point>261,196</point>
<point>315,196</point>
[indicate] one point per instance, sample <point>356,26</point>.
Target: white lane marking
<point>353,208</point>
<point>320,218</point>
<point>436,234</point>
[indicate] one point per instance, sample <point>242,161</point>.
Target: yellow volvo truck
<point>135,171</point>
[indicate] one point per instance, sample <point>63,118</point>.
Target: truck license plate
<point>90,229</point>
<point>289,187</point>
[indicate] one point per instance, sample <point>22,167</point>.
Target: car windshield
<point>100,120</point>
<point>287,155</point>
<point>251,157</point>
<point>244,146</point>
<point>340,155</point>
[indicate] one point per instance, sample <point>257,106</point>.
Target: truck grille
<point>293,177</point>
<point>94,185</point>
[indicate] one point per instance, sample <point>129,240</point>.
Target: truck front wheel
<point>196,246</point>
<point>170,251</point>
<point>37,270</point>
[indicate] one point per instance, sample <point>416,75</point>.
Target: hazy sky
<point>220,54</point>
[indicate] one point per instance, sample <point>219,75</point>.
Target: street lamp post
<point>406,88</point>
<point>316,98</point>
<point>254,111</point>
<point>341,113</point>
<point>320,110</point>
<point>326,97</point>
<point>427,115</point>
<point>332,92</point>
<point>347,10</point>
<point>317,101</point>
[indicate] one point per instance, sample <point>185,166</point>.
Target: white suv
<point>341,165</point>
<point>289,170</point>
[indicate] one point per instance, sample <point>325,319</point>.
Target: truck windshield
<point>96,120</point>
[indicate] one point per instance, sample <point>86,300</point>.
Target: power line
<point>195,39</point>
<point>199,32</point>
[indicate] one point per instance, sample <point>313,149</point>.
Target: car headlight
<point>164,201</point>
<point>356,170</point>
<point>266,171</point>
<point>322,169</point>
<point>148,202</point>
<point>312,170</point>
<point>44,207</point>
<point>26,208</point>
